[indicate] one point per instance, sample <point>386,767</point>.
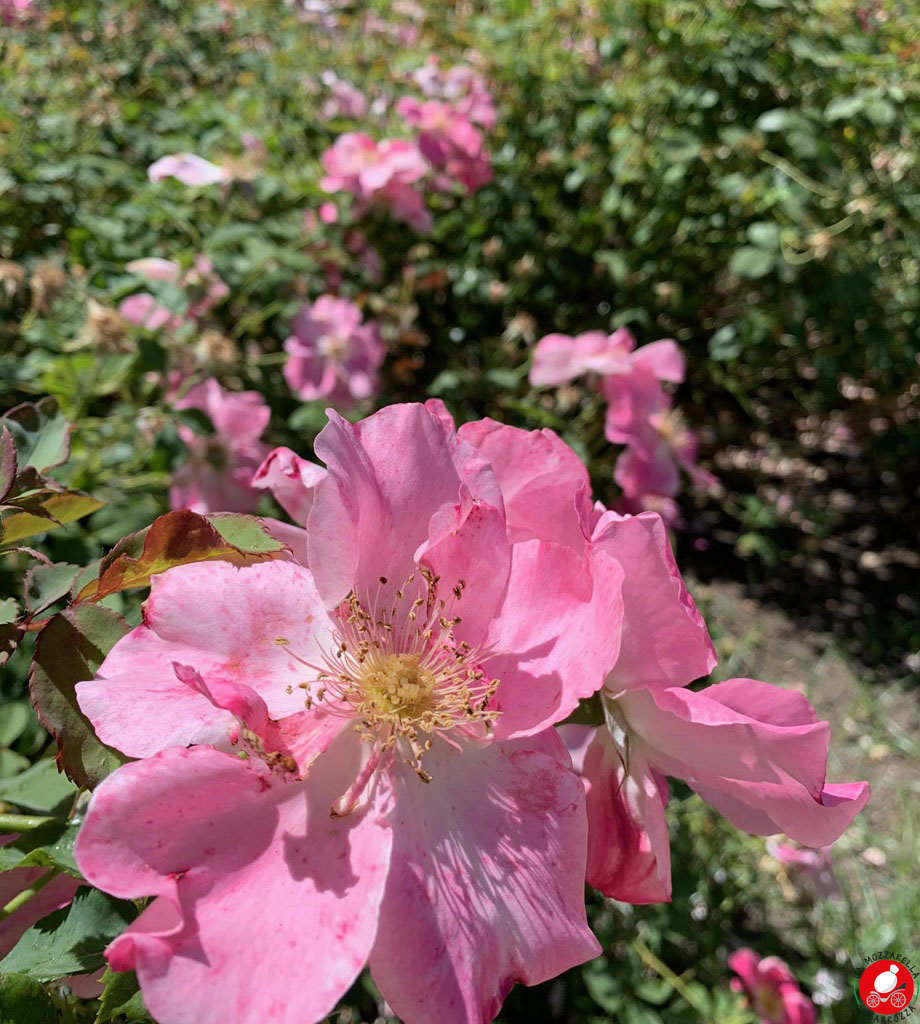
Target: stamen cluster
<point>399,670</point>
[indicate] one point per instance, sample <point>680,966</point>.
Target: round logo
<point>886,987</point>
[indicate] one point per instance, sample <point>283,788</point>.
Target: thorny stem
<point>23,897</point>
<point>22,822</point>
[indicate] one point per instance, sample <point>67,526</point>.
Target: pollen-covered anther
<point>399,671</point>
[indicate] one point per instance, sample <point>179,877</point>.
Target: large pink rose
<point>354,763</point>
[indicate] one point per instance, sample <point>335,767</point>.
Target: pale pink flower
<point>384,173</point>
<point>143,310</point>
<point>560,358</point>
<point>218,474</point>
<point>203,286</point>
<point>448,141</point>
<point>328,213</point>
<point>460,86</point>
<point>755,752</point>
<point>292,480</point>
<point>406,682</point>
<point>344,100</point>
<point>771,989</point>
<point>640,414</point>
<point>155,269</point>
<point>254,146</point>
<point>187,168</point>
<point>332,353</point>
<point>813,868</point>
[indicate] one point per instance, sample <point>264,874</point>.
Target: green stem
<point>22,898</point>
<point>663,971</point>
<point>21,822</point>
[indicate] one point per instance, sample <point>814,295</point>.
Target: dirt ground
<point>875,726</point>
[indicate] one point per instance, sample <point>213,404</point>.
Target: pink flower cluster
<point>15,11</point>
<point>460,86</point>
<point>448,150</point>
<point>349,754</point>
<point>332,354</point>
<point>449,142</point>
<point>203,287</point>
<point>217,477</point>
<point>771,989</point>
<point>383,173</point>
<point>640,411</point>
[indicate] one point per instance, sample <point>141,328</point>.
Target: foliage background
<point>741,177</point>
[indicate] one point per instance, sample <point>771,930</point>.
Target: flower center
<point>398,669</point>
<point>399,685</point>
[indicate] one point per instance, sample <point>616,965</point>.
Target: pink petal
<point>388,475</point>
<point>238,416</point>
<point>266,908</point>
<point>664,358</point>
<point>187,168</point>
<point>554,361</point>
<point>292,480</point>
<point>542,480</point>
<point>557,634</point>
<point>629,851</point>
<point>664,641</point>
<point>468,549</point>
<point>223,621</point>
<point>155,269</point>
<point>56,894</point>
<point>486,883</point>
<point>766,774</point>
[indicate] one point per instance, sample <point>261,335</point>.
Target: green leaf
<point>14,718</point>
<point>24,1001</point>
<point>63,508</point>
<point>39,788</point>
<point>70,649</point>
<point>48,846</point>
<point>774,120</point>
<point>843,107</point>
<point>725,344</point>
<point>9,610</point>
<point>178,538</point>
<point>245,533</point>
<point>41,433</point>
<point>750,261</point>
<point>45,584</point>
<point>765,235</point>
<point>71,940</point>
<point>121,997</point>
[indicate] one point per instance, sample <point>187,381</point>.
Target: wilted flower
<point>47,283</point>
<point>104,327</point>
<point>12,278</point>
<point>187,168</point>
<point>332,353</point>
<point>383,173</point>
<point>217,477</point>
<point>771,989</point>
<point>403,801</point>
